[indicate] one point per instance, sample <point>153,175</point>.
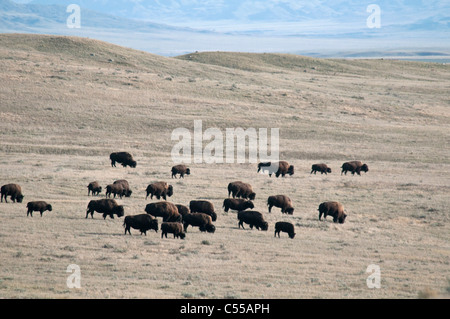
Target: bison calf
<point>143,222</point>
<point>95,188</point>
<point>285,227</point>
<point>13,190</point>
<point>173,228</point>
<point>334,209</point>
<point>180,169</point>
<point>322,168</point>
<point>38,206</point>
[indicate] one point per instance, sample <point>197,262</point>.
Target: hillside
<point>68,102</point>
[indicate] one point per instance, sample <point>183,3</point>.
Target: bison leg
<point>241,224</point>
<point>41,212</point>
<point>29,212</point>
<point>270,208</point>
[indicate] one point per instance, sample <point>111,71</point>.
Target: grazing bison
<point>201,220</point>
<point>242,190</point>
<point>13,190</point>
<point>106,206</point>
<point>285,227</point>
<point>126,187</point>
<point>38,206</point>
<point>159,189</point>
<point>203,206</point>
<point>172,228</point>
<point>143,222</point>
<point>95,188</point>
<point>322,168</point>
<point>354,167</point>
<point>253,218</point>
<point>123,158</point>
<point>282,202</point>
<point>166,210</point>
<point>279,168</point>
<point>180,169</point>
<point>182,209</point>
<point>237,204</point>
<point>334,209</point>
<point>116,189</point>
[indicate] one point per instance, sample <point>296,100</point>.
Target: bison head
<point>19,198</point>
<point>210,228</point>
<point>289,210</point>
<point>291,170</point>
<point>249,204</point>
<point>342,218</point>
<point>188,171</point>
<point>170,190</point>
<point>264,226</point>
<point>49,207</point>
<point>365,168</point>
<point>252,196</point>
<point>328,170</point>
<point>119,211</point>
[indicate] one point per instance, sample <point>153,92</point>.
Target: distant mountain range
<point>324,28</point>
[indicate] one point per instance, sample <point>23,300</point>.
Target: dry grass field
<point>67,103</point>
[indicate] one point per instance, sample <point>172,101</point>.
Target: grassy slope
<point>68,102</point>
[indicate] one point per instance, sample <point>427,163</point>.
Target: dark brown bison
<point>182,209</point>
<point>95,188</point>
<point>172,228</point>
<point>180,169</point>
<point>285,227</point>
<point>281,201</point>
<point>106,206</point>
<point>126,187</point>
<point>159,189</point>
<point>253,218</point>
<point>354,167</point>
<point>123,158</point>
<point>166,210</point>
<point>143,222</point>
<point>279,168</point>
<point>13,190</point>
<point>322,168</point>
<point>242,190</point>
<point>38,206</point>
<point>334,209</point>
<point>237,204</point>
<point>201,220</point>
<point>203,206</point>
<point>115,189</point>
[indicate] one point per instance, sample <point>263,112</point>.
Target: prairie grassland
<point>67,103</point>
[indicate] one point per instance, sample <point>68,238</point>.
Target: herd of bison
<point>200,213</point>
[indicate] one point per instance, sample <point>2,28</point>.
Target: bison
<point>95,188</point>
<point>13,190</point>
<point>180,169</point>
<point>182,209</point>
<point>126,187</point>
<point>237,204</point>
<point>322,168</point>
<point>106,206</point>
<point>354,167</point>
<point>116,189</point>
<point>123,158</point>
<point>159,189</point>
<point>279,168</point>
<point>253,218</point>
<point>143,222</point>
<point>285,227</point>
<point>334,209</point>
<point>38,206</point>
<point>201,220</point>
<point>281,201</point>
<point>166,210</point>
<point>172,228</point>
<point>203,206</point>
<point>242,190</point>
